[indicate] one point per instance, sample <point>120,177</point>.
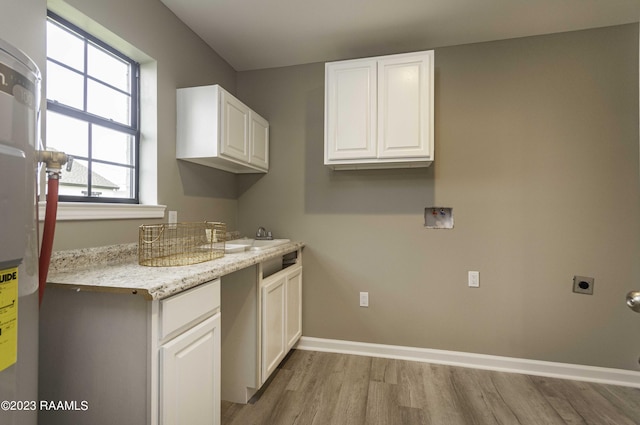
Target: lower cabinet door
<point>294,307</point>
<point>190,376</point>
<point>273,325</point>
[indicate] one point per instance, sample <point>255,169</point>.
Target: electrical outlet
<point>474,279</point>
<point>364,299</point>
<point>173,217</point>
<point>583,285</point>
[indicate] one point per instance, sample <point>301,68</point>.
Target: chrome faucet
<point>262,234</point>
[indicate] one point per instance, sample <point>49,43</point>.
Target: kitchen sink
<point>246,244</point>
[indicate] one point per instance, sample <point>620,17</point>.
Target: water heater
<point>19,133</point>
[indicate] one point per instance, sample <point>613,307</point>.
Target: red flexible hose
<point>47,234</point>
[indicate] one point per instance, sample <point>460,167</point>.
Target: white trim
<point>97,211</point>
<point>601,375</point>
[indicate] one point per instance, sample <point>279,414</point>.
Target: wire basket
<point>180,244</point>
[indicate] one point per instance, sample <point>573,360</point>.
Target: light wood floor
<point>333,389</point>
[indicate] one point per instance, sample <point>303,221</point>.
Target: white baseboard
<point>479,361</point>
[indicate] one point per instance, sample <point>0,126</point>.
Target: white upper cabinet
<point>216,129</point>
<point>379,112</point>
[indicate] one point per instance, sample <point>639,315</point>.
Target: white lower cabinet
<point>263,321</point>
<point>169,361</point>
<point>132,361</point>
<point>281,317</point>
<point>188,332</point>
<point>190,376</point>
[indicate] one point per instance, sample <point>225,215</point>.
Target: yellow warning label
<point>8,317</point>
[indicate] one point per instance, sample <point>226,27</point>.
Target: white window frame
<point>147,208</point>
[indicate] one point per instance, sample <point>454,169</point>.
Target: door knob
<point>633,301</point>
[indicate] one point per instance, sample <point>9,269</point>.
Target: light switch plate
<point>474,279</point>
<point>364,299</point>
<point>173,217</point>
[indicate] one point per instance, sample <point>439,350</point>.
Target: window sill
<point>69,211</point>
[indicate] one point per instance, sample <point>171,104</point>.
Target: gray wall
<point>536,151</point>
<point>537,154</point>
<point>21,26</point>
<point>181,59</point>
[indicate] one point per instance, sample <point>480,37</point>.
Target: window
<point>92,114</point>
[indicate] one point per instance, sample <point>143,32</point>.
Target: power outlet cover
<point>173,217</point>
<point>583,285</point>
<point>474,279</point>
<point>364,299</point>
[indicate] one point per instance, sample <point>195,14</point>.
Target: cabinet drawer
<point>188,307</point>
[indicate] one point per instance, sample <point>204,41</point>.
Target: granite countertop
<point>115,268</point>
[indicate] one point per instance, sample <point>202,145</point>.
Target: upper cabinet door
<point>405,104</point>
<point>350,110</point>
<point>234,129</point>
<point>259,142</point>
